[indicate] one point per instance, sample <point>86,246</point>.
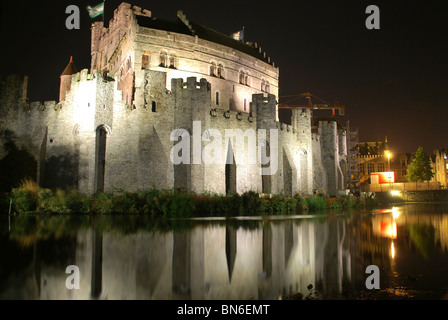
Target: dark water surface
<point>321,256</point>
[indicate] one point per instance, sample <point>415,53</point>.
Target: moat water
<point>322,256</point>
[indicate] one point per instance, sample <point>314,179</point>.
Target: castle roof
<point>188,27</point>
<point>69,69</point>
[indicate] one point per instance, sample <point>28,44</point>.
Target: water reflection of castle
<point>267,260</point>
<point>223,262</point>
<point>270,261</point>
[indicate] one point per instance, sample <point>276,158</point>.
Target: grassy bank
<point>30,198</point>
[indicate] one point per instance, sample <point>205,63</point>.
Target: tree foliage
<point>420,169</point>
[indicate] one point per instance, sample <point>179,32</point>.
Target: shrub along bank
<point>30,198</point>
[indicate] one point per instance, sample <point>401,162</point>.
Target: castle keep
<point>153,83</point>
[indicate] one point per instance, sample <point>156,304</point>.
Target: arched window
<point>172,62</point>
<point>268,87</point>
<point>100,158</point>
<point>213,69</point>
<point>263,86</point>
<point>246,79</point>
<point>241,77</point>
<point>220,71</point>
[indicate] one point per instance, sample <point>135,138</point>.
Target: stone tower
<point>66,79</point>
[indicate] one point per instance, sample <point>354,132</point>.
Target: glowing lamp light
<point>389,230</point>
<point>383,177</point>
<point>395,213</point>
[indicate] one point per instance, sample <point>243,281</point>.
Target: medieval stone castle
<point>153,80</point>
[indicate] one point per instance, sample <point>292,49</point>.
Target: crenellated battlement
<point>284,127</point>
<point>190,84</point>
<point>43,106</point>
<point>315,137</point>
<point>14,100</point>
<point>330,124</point>
<point>141,12</point>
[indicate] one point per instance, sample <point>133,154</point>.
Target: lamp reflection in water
<point>395,215</point>
<point>386,226</point>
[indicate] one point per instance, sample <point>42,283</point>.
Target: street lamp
<point>388,160</point>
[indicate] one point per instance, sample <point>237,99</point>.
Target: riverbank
<point>411,196</point>
<point>30,198</point>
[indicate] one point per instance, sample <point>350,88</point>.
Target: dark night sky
<point>392,81</point>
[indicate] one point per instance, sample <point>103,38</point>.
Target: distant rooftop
<point>184,26</point>
<point>70,69</point>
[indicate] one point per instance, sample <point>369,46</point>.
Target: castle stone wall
<point>120,125</point>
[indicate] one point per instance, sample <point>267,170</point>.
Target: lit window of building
<point>163,59</point>
<point>220,71</point>
<point>213,70</point>
<point>173,64</point>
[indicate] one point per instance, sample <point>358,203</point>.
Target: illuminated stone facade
<point>440,167</point>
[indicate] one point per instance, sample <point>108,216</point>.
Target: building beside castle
<point>440,167</point>
<point>153,84</point>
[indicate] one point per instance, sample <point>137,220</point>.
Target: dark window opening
<point>145,61</point>
<point>162,60</point>
<point>100,159</point>
<point>241,77</point>
<point>172,62</point>
<point>220,72</point>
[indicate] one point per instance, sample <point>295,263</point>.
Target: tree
<point>420,168</point>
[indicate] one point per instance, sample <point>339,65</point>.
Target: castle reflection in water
<point>233,259</point>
